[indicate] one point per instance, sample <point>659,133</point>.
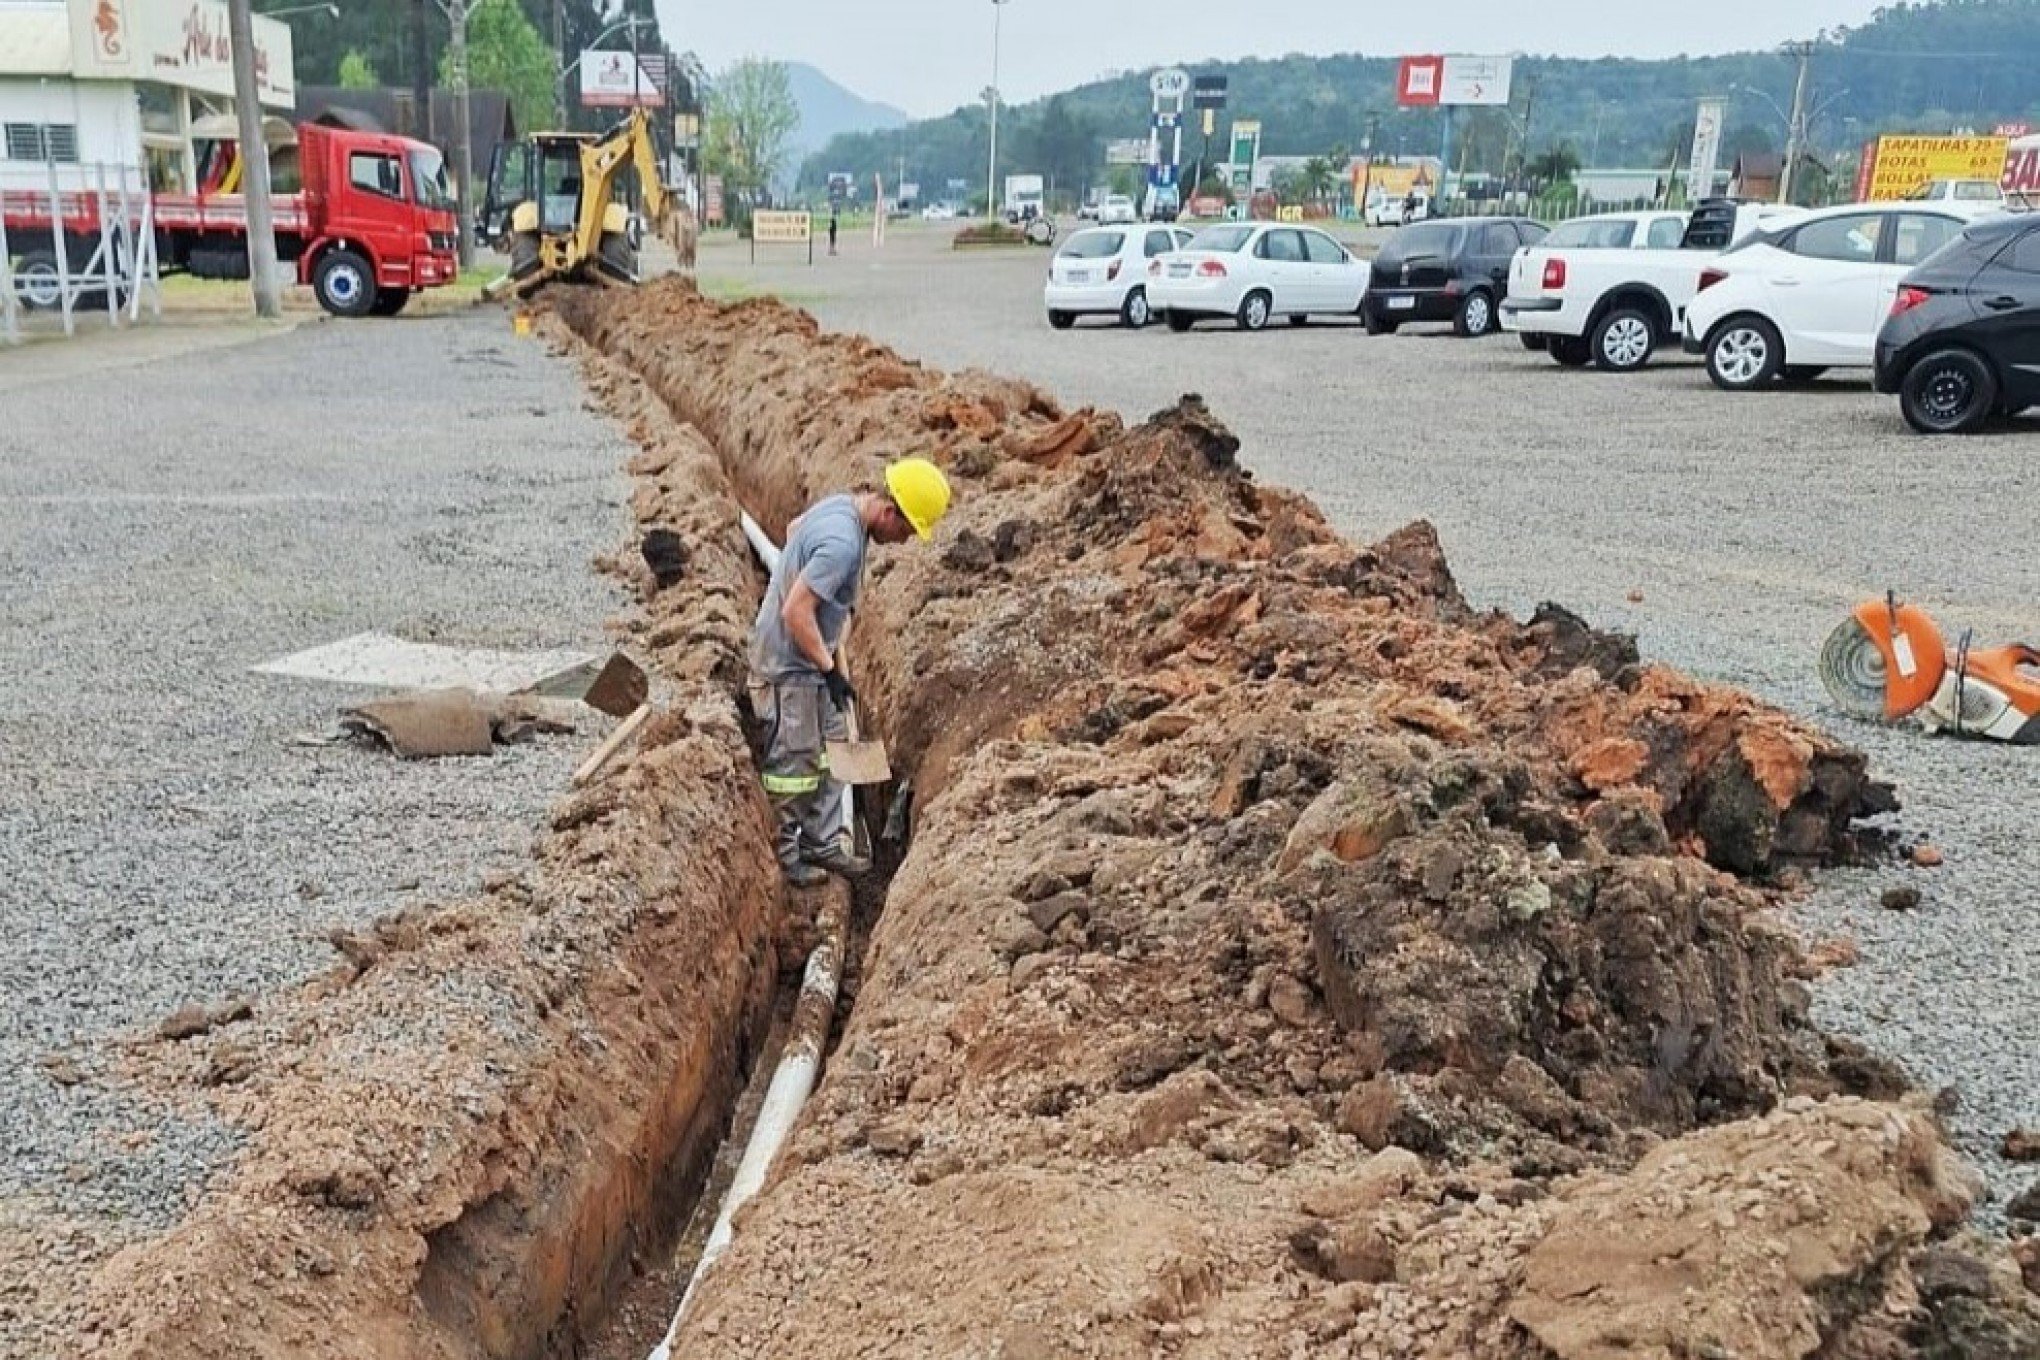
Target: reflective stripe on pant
<point>798,720</point>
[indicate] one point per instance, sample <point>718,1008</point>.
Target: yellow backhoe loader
<point>555,203</point>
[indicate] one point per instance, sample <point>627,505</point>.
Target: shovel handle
<point>606,752</point>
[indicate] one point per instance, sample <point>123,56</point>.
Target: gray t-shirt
<point>827,547</point>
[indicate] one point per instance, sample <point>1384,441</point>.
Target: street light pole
<point>1795,137</point>
<point>992,165</point>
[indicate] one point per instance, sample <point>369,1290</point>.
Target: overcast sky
<point>928,56</point>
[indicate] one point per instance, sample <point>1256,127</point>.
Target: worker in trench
<point>797,689</point>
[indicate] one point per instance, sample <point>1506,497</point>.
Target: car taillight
<point>1907,299</point>
<point>1210,269</point>
<point>1710,277</point>
<point>1113,272</point>
<point>1154,269</point>
<point>1554,274</point>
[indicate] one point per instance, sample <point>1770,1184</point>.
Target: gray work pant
<point>798,720</point>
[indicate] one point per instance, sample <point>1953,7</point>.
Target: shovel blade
<point>859,762</point>
<point>620,689</point>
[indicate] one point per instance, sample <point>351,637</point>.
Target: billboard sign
<point>1476,81</point>
<point>182,44</point>
<point>1126,151</point>
<point>1170,85</point>
<point>615,80</point>
<point>1208,92</point>
<point>1454,82</point>
<point>1706,148</point>
<point>1900,165</point>
<point>1418,80</point>
<point>1246,149</point>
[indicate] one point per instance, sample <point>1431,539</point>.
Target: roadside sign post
<point>783,229</point>
<point>1448,83</point>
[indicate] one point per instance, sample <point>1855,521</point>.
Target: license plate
<point>1179,271</point>
<point>1402,304</point>
<point>1080,276</point>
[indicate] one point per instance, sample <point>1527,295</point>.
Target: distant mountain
<point>827,111</point>
<point>1915,67</point>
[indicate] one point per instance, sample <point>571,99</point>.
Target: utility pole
<point>254,164</point>
<point>457,12</point>
<point>559,27</point>
<point>1795,135</point>
<point>992,166</point>
<point>1529,106</point>
<point>421,75</point>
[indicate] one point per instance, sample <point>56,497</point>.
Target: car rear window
<point>1093,245</point>
<point>1437,239</point>
<point>1589,233</point>
<point>1220,240</point>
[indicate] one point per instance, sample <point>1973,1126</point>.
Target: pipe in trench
<point>794,1079</point>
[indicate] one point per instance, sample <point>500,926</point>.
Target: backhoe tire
<point>344,284</point>
<point>616,259</point>
<point>523,254</point>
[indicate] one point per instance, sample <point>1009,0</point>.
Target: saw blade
<point>1852,668</point>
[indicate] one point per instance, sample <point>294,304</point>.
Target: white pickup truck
<point>1609,290</point>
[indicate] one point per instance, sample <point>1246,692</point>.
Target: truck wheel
<point>37,281</point>
<point>344,284</point>
<point>390,301</point>
<point>1624,340</point>
<point>1569,351</point>
<point>1533,342</point>
<point>1476,315</point>
<point>616,259</point>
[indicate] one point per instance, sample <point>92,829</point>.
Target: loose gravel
<point>163,839</point>
<point>1748,524</point>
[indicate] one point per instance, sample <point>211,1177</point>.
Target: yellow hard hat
<point>921,492</point>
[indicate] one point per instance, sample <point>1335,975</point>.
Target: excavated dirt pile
<point>1290,958</point>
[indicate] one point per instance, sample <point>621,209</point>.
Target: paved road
<point>1748,523</point>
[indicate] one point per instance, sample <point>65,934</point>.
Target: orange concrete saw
<point>1886,662</point>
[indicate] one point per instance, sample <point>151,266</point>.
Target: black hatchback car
<point>1962,343</point>
<point>1454,269</point>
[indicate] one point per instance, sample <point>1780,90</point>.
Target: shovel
<point>855,761</point>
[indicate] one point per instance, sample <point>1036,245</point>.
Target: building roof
<point>394,110</point>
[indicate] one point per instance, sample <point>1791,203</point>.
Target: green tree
<point>1316,179</point>
<point>751,119</point>
<point>506,53</point>
<point>1287,182</point>
<point>357,72</point>
<point>1553,165</point>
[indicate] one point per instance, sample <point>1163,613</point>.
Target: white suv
<point>1795,301</point>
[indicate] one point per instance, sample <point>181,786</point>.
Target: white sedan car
<point>1794,301</point>
<point>1117,211</point>
<point>1254,271</point>
<point>1103,271</point>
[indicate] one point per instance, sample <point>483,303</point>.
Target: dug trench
<point>1287,959</point>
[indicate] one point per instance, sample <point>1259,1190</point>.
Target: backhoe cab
<point>556,203</point>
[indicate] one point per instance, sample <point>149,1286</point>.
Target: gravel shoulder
<point>1748,525</point>
<point>168,522</point>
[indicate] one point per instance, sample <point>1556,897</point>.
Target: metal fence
<point>74,251</point>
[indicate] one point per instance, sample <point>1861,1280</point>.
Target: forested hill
<point>1926,67</point>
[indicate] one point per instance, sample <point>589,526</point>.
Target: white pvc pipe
<point>792,1082</point>
<point>761,542</point>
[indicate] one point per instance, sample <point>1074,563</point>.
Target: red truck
<point>373,223</point>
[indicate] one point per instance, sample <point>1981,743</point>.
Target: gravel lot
<point>162,840</point>
<point>1749,524</point>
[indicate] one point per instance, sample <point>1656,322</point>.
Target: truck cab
<point>380,220</point>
